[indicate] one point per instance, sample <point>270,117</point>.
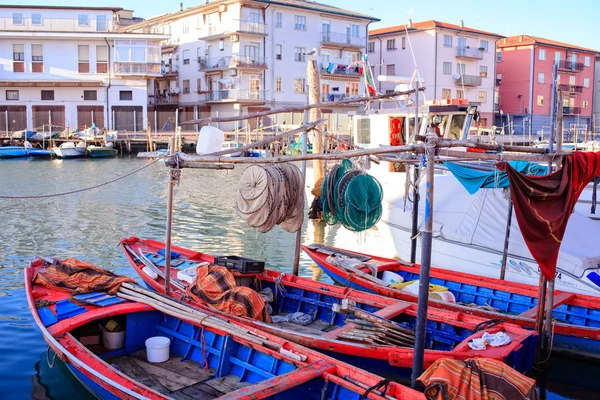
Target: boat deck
<point>176,378</point>
<point>317,327</point>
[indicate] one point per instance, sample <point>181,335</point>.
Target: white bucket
<point>412,287</point>
<point>113,340</point>
<point>210,140</point>
<point>389,277</point>
<point>447,296</point>
<point>157,349</point>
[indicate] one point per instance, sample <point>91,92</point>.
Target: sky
<point>575,22</point>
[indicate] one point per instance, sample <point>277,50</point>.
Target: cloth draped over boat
<point>543,205</point>
<point>216,286</point>
<point>473,179</point>
<point>79,277</point>
<point>476,379</point>
<point>271,195</point>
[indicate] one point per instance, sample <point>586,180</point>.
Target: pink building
<point>524,67</point>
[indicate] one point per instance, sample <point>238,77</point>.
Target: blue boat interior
<point>202,363</point>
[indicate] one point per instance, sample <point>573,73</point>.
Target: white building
<point>231,57</point>
<point>456,62</point>
<point>69,66</point>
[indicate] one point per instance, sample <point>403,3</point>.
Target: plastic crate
<point>241,264</point>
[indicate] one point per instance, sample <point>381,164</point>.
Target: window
<point>586,82</point>
<point>90,95</point>
<point>557,56</point>
<point>36,19</point>
<point>353,88</point>
<point>299,85</point>
<point>363,130</point>
<point>498,56</point>
<point>325,58</point>
<point>37,58</point>
<point>18,58</point>
<point>299,22</point>
<point>585,104</point>
<point>557,78</point>
<point>483,71</point>
<point>447,40</point>
<point>278,20</point>
<point>462,43</point>
<point>586,61</point>
<point>540,100</point>
<point>199,85</point>
<point>483,97</point>
<point>125,95</point>
<point>278,51</point>
<point>186,57</point>
<point>542,54</point>
<point>101,59</point>
<point>17,19</point>
<point>355,30</point>
<point>47,95</point>
<point>446,93</point>
<point>391,44</point>
<point>571,80</point>
<point>278,84</point>
<point>84,59</point>
<point>447,68</point>
<point>299,54</point>
<point>186,27</point>
<point>461,68</point>
<point>222,45</point>
<point>12,95</point>
<point>101,25</point>
<point>348,58</point>
<point>390,70</point>
<point>541,77</point>
<point>390,91</point>
<point>83,20</point>
<point>371,48</point>
<point>404,43</point>
<point>460,94</point>
<point>484,45</point>
<point>186,86</point>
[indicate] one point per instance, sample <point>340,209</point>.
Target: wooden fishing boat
<point>70,150</point>
<point>41,154</point>
<point>102,151</point>
<point>14,151</point>
<point>341,330</point>
<point>209,357</point>
<point>577,316</point>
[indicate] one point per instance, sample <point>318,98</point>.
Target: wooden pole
<point>415,216</point>
<point>298,241</point>
<point>424,277</point>
<point>314,96</point>
<point>169,221</point>
<point>506,240</point>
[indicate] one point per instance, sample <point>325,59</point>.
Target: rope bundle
<point>351,197</point>
<point>271,195</point>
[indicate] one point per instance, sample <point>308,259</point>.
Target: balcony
<point>163,99</point>
<point>469,54</point>
<point>234,96</point>
<point>137,68</point>
<point>572,110</point>
<point>233,26</point>
<point>137,57</point>
<point>344,40</point>
<point>468,80</point>
<point>571,88</point>
<point>334,69</point>
<point>233,61</point>
<point>570,66</point>
<point>26,23</point>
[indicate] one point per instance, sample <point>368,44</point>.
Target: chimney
<point>461,23</point>
<point>410,23</point>
<point>180,6</point>
<point>521,39</point>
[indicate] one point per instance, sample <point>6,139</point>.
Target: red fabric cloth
<point>543,204</point>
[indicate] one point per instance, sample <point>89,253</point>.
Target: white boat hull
<point>70,152</point>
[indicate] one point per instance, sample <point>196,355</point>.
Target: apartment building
<point>454,61</point>
<point>524,72</point>
<point>596,98</point>
<point>71,68</point>
<point>232,57</point>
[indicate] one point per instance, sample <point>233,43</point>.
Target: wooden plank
<point>227,384</point>
<point>189,369</point>
<point>559,299</point>
<point>201,391</point>
<point>169,379</point>
<point>331,250</point>
<point>290,326</point>
<point>130,368</point>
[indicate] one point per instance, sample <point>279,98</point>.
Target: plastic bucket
<point>446,296</point>
<point>157,349</point>
<point>389,277</point>
<point>113,340</point>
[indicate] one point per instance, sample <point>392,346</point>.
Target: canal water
<point>89,224</point>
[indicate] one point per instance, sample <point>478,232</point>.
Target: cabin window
<point>456,126</point>
<point>363,130</point>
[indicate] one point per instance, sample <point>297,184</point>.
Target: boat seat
<point>99,299</point>
<point>66,309</point>
<point>559,299</point>
<point>48,318</point>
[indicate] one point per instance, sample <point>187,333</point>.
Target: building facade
<point>69,67</point>
<point>596,98</point>
<point>524,71</point>
<point>455,62</point>
<point>232,57</point>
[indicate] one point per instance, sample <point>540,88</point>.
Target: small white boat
<point>70,150</point>
<point>231,145</point>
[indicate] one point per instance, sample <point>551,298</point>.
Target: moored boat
<point>14,151</point>
<point>199,358</point>
<point>577,316</point>
<point>70,150</point>
<point>102,151</point>
<point>326,325</point>
<point>41,154</point>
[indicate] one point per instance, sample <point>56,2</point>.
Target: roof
<point>302,4</point>
<point>28,6</point>
<point>430,24</point>
<point>526,40</point>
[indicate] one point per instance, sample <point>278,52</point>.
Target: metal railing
<point>136,68</point>
<point>465,52</point>
<point>232,26</point>
<point>571,88</point>
<point>234,95</point>
<point>343,39</point>
<point>232,61</point>
<point>26,23</point>
<point>571,110</point>
<point>570,65</point>
<point>335,70</point>
<point>468,80</point>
